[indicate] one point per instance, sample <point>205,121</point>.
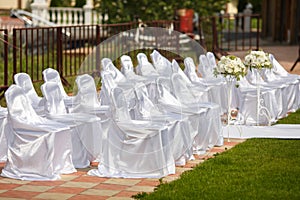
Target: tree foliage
<point>60,3</point>
<point>129,10</point>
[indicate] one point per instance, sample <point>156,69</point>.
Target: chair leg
<point>294,65</point>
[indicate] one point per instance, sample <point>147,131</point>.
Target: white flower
<point>257,59</point>
<point>230,66</point>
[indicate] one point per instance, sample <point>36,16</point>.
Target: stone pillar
<point>39,8</point>
<point>87,8</point>
<point>247,19</point>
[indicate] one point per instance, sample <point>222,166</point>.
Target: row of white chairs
<point>279,90</point>
<point>40,139</point>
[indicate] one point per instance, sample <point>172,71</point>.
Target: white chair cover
<point>211,59</point>
<point>24,81</point>
<point>168,103</point>
<point>281,73</point>
<point>145,68</point>
<point>217,90</point>
<point>135,148</point>
<point>161,64</point>
<point>201,91</point>
<point>108,84</point>
<point>248,104</point>
<point>281,91</point>
<point>213,116</point>
<point>87,100</point>
<point>128,70</point>
<point>181,133</point>
<point>86,129</point>
<point>52,75</point>
<point>291,88</point>
<point>38,148</point>
<point>110,68</point>
<point>3,134</point>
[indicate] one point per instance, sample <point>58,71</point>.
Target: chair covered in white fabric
<point>213,117</point>
<point>196,115</point>
<point>280,73</point>
<point>3,133</point>
<point>136,148</point>
<point>144,67</point>
<point>207,70</point>
<point>211,59</point>
<point>24,81</point>
<point>279,70</point>
<point>181,132</point>
<point>38,148</point>
<point>128,70</point>
<point>86,128</point>
<point>217,84</point>
<point>201,91</point>
<point>291,88</point>
<point>87,100</point>
<point>52,75</point>
<point>110,68</point>
<point>282,92</point>
<point>161,64</point>
<point>248,104</point>
<point>217,92</point>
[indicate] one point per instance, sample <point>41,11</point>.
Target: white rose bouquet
<point>258,60</point>
<point>231,66</point>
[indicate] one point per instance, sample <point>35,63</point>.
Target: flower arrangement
<point>231,66</point>
<point>258,60</point>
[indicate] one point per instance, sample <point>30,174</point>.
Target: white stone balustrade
<point>67,15</point>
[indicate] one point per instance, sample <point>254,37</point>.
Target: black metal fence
<point>224,33</point>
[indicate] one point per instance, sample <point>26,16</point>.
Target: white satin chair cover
<point>168,103</point>
<point>218,84</point>
<point>38,148</point>
<point>136,148</point>
<point>110,68</point>
<point>108,84</point>
<point>211,59</point>
<point>86,129</point>
<point>291,88</point>
<point>128,70</point>
<point>198,90</point>
<point>181,133</point>
<point>248,104</point>
<point>87,100</point>
<point>282,74</point>
<point>282,92</point>
<point>52,75</point>
<point>161,64</point>
<point>213,114</point>
<point>3,134</point>
<point>24,81</point>
<point>144,67</point>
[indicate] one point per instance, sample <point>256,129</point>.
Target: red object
<point>186,20</point>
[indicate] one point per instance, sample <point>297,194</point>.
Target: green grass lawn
<point>254,169</point>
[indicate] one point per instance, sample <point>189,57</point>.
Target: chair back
<point>190,69</point>
<point>121,112</point>
<point>54,99</point>
<point>24,81</point>
<point>18,106</point>
<point>52,75</point>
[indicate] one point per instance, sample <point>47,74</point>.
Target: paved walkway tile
<point>49,195</point>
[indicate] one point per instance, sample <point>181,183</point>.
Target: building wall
<point>13,4</point>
